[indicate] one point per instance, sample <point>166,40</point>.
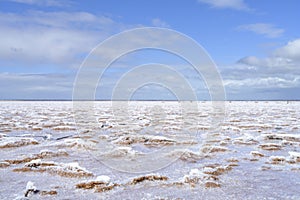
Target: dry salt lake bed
<point>254,153</point>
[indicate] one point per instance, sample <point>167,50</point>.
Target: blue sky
<point>254,43</point>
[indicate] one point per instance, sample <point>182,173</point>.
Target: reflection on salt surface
<point>255,155</point>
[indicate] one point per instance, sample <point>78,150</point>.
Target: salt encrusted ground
<point>255,154</point>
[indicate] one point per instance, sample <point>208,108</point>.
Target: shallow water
<point>150,134</point>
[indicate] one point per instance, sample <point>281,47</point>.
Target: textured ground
<point>253,154</point>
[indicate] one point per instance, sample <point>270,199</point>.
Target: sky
<point>255,45</point>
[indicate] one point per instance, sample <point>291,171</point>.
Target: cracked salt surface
<point>255,155</point>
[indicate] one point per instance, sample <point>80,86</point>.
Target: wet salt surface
<point>253,156</point>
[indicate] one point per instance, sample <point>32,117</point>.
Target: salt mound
<point>256,154</point>
<point>295,156</point>
<point>43,154</point>
<point>103,178</point>
<point>100,180</point>
<point>214,149</point>
<point>277,159</point>
<point>212,184</point>
<point>187,155</point>
<point>190,156</point>
<point>216,169</point>
<point>64,128</point>
<point>100,184</point>
<point>287,137</point>
<point>122,151</point>
<point>71,170</point>
<point>246,140</point>
<point>38,162</point>
<point>149,140</point>
<point>149,177</point>
<point>75,143</point>
<point>62,169</point>
<point>30,188</point>
<point>270,146</point>
<point>4,164</point>
<point>196,177</point>
<point>9,142</point>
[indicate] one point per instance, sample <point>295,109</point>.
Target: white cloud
<point>291,50</point>
<point>56,3</point>
<point>160,23</point>
<point>267,62</point>
<point>286,57</point>
<point>51,37</point>
<point>264,82</point>
<point>231,4</point>
<point>267,30</point>
<point>276,76</point>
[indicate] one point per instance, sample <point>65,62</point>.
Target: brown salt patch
<point>28,169</point>
<point>147,178</point>
<point>176,183</point>
<point>214,149</point>
<point>18,161</point>
<point>234,160</point>
<point>244,141</point>
<point>146,140</point>
<point>277,159</point>
<point>214,165</point>
<point>233,164</point>
<point>41,155</point>
<point>257,154</point>
<point>17,142</point>
<point>264,168</point>
<point>223,143</point>
<point>104,188</point>
<point>270,146</point>
<point>280,136</point>
<point>41,164</point>
<point>216,171</point>
<point>71,174</point>
<point>196,177</point>
<point>273,137</point>
<point>212,184</point>
<point>295,169</point>
<point>4,164</point>
<point>291,161</point>
<point>192,180</point>
<point>101,184</point>
<point>213,141</point>
<point>50,154</point>
<point>5,130</point>
<point>71,170</point>
<point>188,156</point>
<point>51,192</point>
<point>89,185</point>
<point>100,180</point>
<point>49,125</point>
<point>63,128</point>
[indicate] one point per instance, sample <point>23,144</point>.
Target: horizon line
<point>227,100</point>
